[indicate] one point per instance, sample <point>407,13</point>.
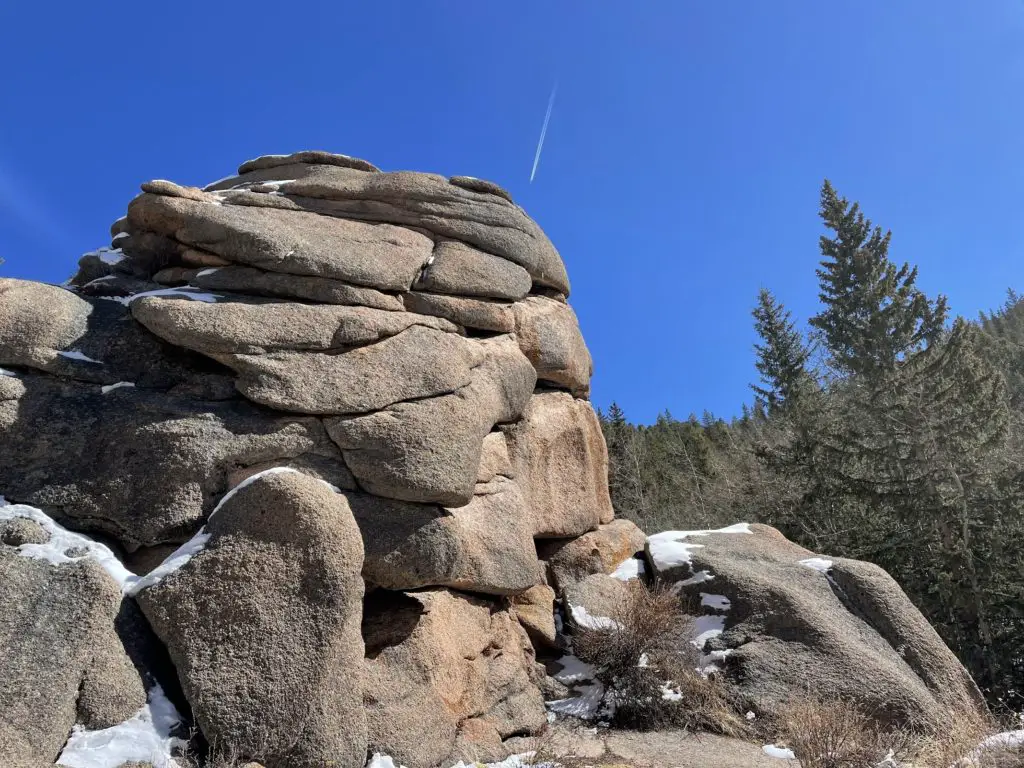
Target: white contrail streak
<point>543,132</point>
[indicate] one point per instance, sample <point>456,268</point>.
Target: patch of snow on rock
<point>118,385</point>
<point>669,549</point>
<point>108,255</point>
<point>584,618</point>
<point>819,564</point>
<point>208,271</point>
<point>706,628</point>
<point>780,752</point>
<point>145,737</point>
<point>62,540</point>
<point>590,691</point>
<point>184,292</point>
<point>630,569</point>
<point>74,354</point>
<point>717,602</point>
<point>5,372</point>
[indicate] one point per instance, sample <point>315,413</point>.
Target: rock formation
<point>323,431</point>
<point>300,384</point>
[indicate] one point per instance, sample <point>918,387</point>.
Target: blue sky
<point>680,172</point>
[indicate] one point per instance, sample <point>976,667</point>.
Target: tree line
<point>885,431</point>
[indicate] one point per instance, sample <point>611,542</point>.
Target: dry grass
<point>667,691</point>
<point>837,734</point>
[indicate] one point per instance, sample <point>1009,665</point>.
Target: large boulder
<point>63,660</point>
<point>262,624</point>
<point>430,450</point>
<point>142,466</point>
<point>561,460</point>
<point>447,677</point>
<point>549,334</point>
<point>484,546</point>
<point>783,622</point>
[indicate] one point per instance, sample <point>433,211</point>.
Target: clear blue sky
<point>681,168</point>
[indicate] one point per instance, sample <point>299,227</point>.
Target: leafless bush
<point>837,734</point>
<point>650,667</point>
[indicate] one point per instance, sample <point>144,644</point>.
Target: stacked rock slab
<point>361,373</point>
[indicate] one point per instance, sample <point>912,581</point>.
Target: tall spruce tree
<point>781,356</point>
<point>874,314</point>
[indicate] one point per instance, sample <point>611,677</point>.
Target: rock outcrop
<point>319,380</point>
<point>782,622</point>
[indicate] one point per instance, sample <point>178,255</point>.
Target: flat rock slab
<point>295,242</point>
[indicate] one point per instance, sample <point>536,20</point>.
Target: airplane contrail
<point>543,132</point>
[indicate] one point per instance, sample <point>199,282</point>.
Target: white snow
<point>197,543</point>
<point>145,737</point>
<point>670,694</point>
<point>209,271</point>
<point>780,752</point>
<point>61,540</point>
<point>524,760</point>
<point>172,563</point>
<point>118,385</point>
<point>120,236</point>
<point>381,761</point>
<point>108,255</point>
<point>711,662</point>
<point>74,354</point>
<point>669,549</point>
<point>5,372</point>
<point>706,628</point>
<point>750,716</point>
<point>590,691</point>
<point>584,618</point>
<point>630,569</point>
<point>819,564</point>
<point>185,292</point>
<point>717,602</point>
<point>698,578</point>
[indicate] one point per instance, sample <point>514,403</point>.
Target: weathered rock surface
<point>484,546</point>
<point>440,666</point>
<point>483,220</point>
<point>795,621</point>
<point>62,661</point>
<point>560,458</point>
<point>263,625</point>
<point>600,551</point>
<point>312,319</point>
<point>143,467</point>
<point>295,242</point>
<point>429,450</point>
<point>256,282</point>
<point>549,335</point>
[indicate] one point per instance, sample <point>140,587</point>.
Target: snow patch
<point>208,271</point>
<point>185,292</point>
<point>698,578</point>
<point>669,549</point>
<point>630,569</point>
<point>62,540</point>
<point>120,236</point>
<point>584,618</point>
<point>118,385</point>
<point>819,564</point>
<point>5,372</point>
<point>782,753</point>
<point>108,255</point>
<point>705,629</point>
<point>590,691</point>
<point>668,693</point>
<point>716,602</point>
<point>145,737</point>
<point>74,354</point>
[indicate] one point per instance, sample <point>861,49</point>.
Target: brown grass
<point>653,625</point>
<point>837,734</point>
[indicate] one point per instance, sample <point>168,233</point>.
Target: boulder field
<point>305,460</point>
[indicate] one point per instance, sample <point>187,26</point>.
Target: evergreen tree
<point>781,357</point>
<point>874,314</point>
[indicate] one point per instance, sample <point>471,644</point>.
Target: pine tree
<point>781,357</point>
<point>874,314</point>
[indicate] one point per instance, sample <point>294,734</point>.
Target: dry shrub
<point>957,745</point>
<point>650,667</point>
<point>836,734</point>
